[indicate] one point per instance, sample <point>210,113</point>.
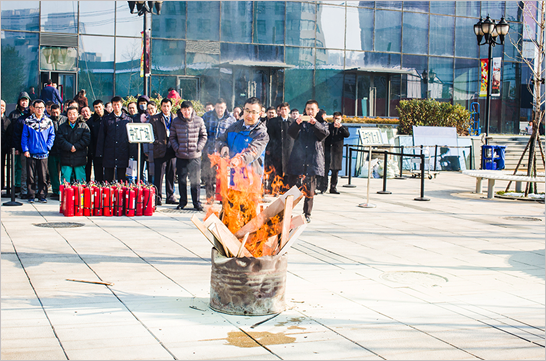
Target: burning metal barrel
<point>248,285</point>
<point>249,261</point>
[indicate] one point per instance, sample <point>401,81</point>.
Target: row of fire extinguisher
<point>116,199</point>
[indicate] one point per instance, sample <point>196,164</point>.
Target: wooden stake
<point>226,237</point>
<point>240,252</point>
<point>294,234</point>
<point>95,282</point>
<point>287,217</point>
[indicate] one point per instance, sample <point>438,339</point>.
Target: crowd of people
<point>82,144</point>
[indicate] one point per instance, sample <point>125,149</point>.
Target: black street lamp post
<point>143,8</point>
<point>488,30</point>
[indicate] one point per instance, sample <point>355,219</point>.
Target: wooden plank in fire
<point>217,244</point>
<point>295,222</point>
<point>226,237</point>
<point>270,246</point>
<point>286,219</point>
<point>274,208</point>
<point>294,234</point>
<point>200,226</point>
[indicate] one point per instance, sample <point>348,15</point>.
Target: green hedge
<point>429,112</point>
<point>197,106</point>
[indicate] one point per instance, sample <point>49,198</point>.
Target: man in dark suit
<point>277,152</point>
<point>164,155</point>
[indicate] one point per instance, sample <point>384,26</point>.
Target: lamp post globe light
<point>143,8</point>
<point>488,31</point>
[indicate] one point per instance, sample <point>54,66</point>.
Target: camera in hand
<point>305,118</point>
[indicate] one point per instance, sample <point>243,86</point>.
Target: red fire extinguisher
<point>118,201</point>
<point>107,195</point>
<point>61,204</point>
<point>149,200</point>
<point>78,200</point>
<point>139,200</point>
<point>97,201</point>
<point>68,201</point>
<point>87,205</point>
<point>130,202</point>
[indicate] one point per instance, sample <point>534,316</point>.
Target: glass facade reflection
<point>357,57</point>
<point>59,18</point>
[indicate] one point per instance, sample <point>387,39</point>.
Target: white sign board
<point>140,133</point>
<point>370,136</point>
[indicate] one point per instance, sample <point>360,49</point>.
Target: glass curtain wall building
<point>357,57</point>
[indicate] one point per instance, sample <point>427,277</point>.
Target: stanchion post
<point>471,156</point>
<point>12,202</point>
<point>6,177</point>
<point>384,191</point>
<point>435,155</point>
<point>422,197</point>
<point>349,185</point>
<point>401,163</point>
<point>346,146</point>
<point>368,204</point>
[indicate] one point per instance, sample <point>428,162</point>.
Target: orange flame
<point>241,203</point>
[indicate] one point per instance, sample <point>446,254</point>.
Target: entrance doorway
<point>371,93</point>
<point>265,84</point>
<point>188,87</point>
<point>66,83</point>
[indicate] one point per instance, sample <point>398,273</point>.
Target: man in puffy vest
<point>36,142</point>
<point>188,137</point>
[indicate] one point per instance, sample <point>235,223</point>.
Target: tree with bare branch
<point>535,13</point>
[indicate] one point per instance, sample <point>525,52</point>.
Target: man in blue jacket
<point>50,93</point>
<point>36,142</point>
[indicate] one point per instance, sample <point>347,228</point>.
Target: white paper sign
<point>140,133</point>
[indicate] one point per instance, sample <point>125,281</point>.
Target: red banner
<point>145,70</point>
<point>484,66</point>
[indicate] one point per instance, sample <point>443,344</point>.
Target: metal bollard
<point>422,197</point>
<point>349,185</point>
<point>401,163</point>
<point>435,155</point>
<point>346,147</point>
<point>12,186</point>
<point>384,191</point>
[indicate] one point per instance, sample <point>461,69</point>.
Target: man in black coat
<point>73,139</point>
<point>85,113</point>
<point>307,157</point>
<point>17,122</point>
<point>54,159</point>
<point>334,150</point>
<point>113,143</point>
<point>277,152</point>
<point>94,126</point>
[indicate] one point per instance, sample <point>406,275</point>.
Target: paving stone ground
<point>459,277</point>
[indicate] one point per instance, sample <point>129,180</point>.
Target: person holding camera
<point>307,157</point>
<point>334,150</point>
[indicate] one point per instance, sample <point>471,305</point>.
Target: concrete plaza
<point>458,277</point>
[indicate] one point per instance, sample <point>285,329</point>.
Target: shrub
<point>366,120</point>
<point>429,112</point>
<point>197,105</point>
